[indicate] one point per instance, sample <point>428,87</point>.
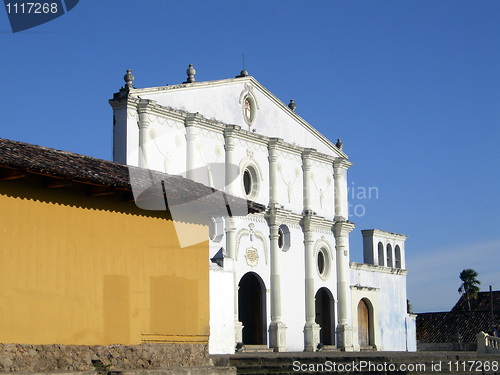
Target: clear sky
<point>411,87</point>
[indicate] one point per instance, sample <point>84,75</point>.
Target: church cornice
<point>377,269</point>
<point>384,234</point>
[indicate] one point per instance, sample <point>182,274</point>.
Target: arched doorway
<point>324,316</point>
<point>363,324</point>
<point>252,309</point>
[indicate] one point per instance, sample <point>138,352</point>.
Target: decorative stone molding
<point>376,268</point>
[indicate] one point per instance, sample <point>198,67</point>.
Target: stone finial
<point>339,144</point>
<point>292,105</point>
<point>128,78</point>
<point>243,73</point>
<point>190,73</point>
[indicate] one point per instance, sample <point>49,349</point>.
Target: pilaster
<point>144,107</point>
<point>340,166</point>
<point>192,119</point>
<point>229,144</point>
<point>341,230</point>
<point>277,329</point>
<point>311,328</point>
<point>273,171</point>
<point>306,167</point>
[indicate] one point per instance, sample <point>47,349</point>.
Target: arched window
<point>323,264</point>
<point>389,255</point>
<point>398,257</point>
<point>216,229</point>
<point>250,182</point>
<point>381,255</point>
<point>284,238</point>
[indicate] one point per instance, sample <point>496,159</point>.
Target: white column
<point>231,171</point>
<point>311,328</point>
<point>229,144</point>
<point>277,329</point>
<point>341,230</point>
<point>143,110</point>
<point>190,123</point>
<point>273,171</point>
<point>306,167</point>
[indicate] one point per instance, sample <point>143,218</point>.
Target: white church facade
<point>281,278</point>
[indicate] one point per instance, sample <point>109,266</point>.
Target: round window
<point>249,110</point>
<point>321,263</point>
<point>247,182</point>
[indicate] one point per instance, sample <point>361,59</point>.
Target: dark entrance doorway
<point>252,309</point>
<point>325,317</point>
<point>363,324</point>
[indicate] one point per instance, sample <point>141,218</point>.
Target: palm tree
<point>469,285</point>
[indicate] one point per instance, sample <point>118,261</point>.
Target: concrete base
<point>238,332</point>
<point>344,338</point>
<point>311,337</point>
<point>277,337</point>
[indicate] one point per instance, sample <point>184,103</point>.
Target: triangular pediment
<point>241,101</point>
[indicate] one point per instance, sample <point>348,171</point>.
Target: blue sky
<point>411,87</point>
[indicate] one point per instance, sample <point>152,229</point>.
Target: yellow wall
<point>87,270</point>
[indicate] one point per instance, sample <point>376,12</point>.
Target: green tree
<point>469,285</point>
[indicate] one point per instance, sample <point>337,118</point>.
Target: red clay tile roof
<point>481,303</point>
<point>63,164</point>
<point>440,327</point>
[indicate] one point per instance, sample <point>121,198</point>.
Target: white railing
<point>487,343</point>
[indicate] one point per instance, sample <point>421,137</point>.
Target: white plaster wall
<point>221,339</point>
<point>209,158</point>
<point>220,101</point>
<point>166,146</point>
<point>132,145</point>
<point>293,289</point>
<point>290,175</point>
<point>120,133</point>
<point>258,157</point>
<point>411,333</point>
<point>392,305</point>
<point>322,184</point>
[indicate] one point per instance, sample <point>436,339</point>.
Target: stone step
<point>256,349</point>
<point>376,363</point>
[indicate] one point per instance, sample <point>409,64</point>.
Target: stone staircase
<point>363,363</point>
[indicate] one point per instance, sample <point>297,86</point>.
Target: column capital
<point>231,130</point>
<point>274,143</point>
<point>275,215</point>
<point>307,153</point>
<point>341,164</point>
<point>145,105</point>
<point>342,228</point>
<point>192,119</point>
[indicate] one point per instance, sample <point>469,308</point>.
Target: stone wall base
<point>450,346</point>
<point>45,358</point>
